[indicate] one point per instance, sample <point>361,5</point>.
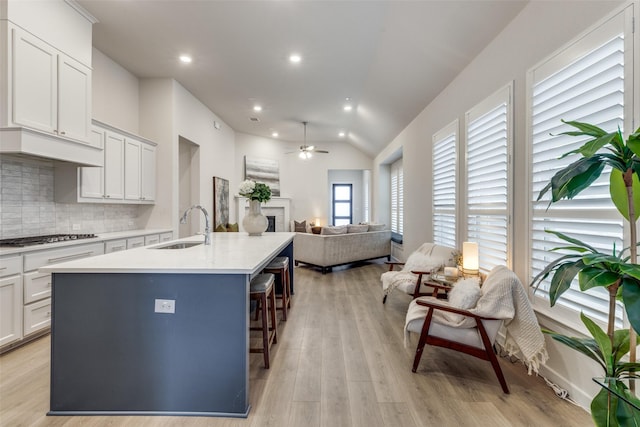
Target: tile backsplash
<point>27,206</point>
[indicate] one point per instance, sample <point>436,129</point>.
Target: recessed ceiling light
<point>295,58</point>
<point>257,108</point>
<point>348,107</point>
<point>185,58</point>
<point>341,134</point>
<point>274,134</point>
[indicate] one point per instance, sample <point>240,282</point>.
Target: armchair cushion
<point>465,294</point>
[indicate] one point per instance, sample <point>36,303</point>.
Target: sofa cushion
<point>359,228</point>
<point>376,227</point>
<point>220,228</point>
<point>233,227</point>
<point>300,227</point>
<point>330,231</point>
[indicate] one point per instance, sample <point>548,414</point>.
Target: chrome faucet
<point>207,227</point>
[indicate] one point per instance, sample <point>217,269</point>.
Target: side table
<point>316,229</point>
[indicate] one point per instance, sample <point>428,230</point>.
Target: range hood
<point>25,141</point>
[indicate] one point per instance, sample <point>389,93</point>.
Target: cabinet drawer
<point>165,237</point>
<point>37,286</point>
<point>135,242</point>
<point>115,246</point>
<point>35,260</point>
<point>10,265</point>
<point>37,316</point>
<point>151,240</point>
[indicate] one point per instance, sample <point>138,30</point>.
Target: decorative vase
<point>254,222</point>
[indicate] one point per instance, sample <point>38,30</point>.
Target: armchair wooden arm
<point>391,264</point>
<point>455,310</point>
<point>419,282</point>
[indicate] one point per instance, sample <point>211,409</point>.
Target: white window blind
<point>444,185</point>
<point>488,170</point>
<point>397,195</point>
<point>588,88</point>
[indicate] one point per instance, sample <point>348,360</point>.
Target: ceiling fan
<point>306,151</point>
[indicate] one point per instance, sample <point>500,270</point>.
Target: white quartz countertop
<point>229,253</point>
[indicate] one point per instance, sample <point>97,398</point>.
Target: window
<point>444,185</point>
<point>342,204</point>
<point>488,170</point>
<point>584,82</point>
<point>397,195</point>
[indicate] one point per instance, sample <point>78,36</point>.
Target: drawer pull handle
<point>48,314</point>
<point>62,258</point>
<point>3,268</point>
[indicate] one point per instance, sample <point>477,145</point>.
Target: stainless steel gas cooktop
<point>39,240</point>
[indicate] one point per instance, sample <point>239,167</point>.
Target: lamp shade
<point>470,261</point>
<point>317,222</point>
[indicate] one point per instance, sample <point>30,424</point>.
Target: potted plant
<point>618,271</point>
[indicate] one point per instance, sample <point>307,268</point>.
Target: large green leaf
<point>584,129</point>
<point>599,258</point>
<point>619,196</point>
<point>603,409</point>
<point>591,147</point>
<point>634,142</point>
<point>561,280</point>
<point>570,181</point>
<point>632,270</point>
<point>550,267</point>
<point>631,299</point>
<point>602,339</point>
<point>587,346</point>
<point>572,240</point>
<point>620,347</point>
<point>591,277</point>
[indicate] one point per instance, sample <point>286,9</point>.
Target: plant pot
<point>254,222</point>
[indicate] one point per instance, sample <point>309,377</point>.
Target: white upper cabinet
<point>74,99</point>
<point>132,159</point>
<point>148,174</point>
<point>35,80</point>
<point>114,166</point>
<point>92,179</point>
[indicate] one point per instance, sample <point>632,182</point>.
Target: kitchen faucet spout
<point>207,227</point>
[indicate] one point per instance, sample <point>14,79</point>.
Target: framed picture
<point>220,202</point>
<point>265,171</point>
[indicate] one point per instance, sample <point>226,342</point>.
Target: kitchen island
<point>158,331</point>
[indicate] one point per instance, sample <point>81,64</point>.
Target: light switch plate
<point>165,306</point>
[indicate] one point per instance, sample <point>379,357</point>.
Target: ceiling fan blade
<point>321,151</point>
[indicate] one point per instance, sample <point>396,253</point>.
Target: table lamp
<point>470,264</point>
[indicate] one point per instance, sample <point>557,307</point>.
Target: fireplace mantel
<point>280,207</point>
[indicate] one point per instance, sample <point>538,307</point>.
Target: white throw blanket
<point>428,257</point>
<point>503,297</point>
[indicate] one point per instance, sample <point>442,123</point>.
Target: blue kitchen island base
<point>113,354</point>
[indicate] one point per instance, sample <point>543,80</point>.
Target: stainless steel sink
<point>178,245</point>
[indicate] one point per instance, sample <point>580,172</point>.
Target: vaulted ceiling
<point>390,58</point>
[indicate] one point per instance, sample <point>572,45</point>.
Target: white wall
<point>115,99</point>
<point>539,30</point>
<point>304,181</point>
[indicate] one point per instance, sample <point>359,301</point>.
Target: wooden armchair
<point>425,260</point>
<point>477,341</point>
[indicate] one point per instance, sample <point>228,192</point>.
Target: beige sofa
<point>326,251</point>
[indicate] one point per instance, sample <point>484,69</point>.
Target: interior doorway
<point>189,184</point>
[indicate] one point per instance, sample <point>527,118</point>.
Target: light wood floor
<point>340,361</point>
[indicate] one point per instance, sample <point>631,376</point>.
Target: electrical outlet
<point>165,306</point>
<point>75,227</point>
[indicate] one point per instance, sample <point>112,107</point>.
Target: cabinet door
<point>92,179</point>
<point>114,166</point>
<point>115,246</point>
<point>74,99</point>
<point>34,83</point>
<point>132,169</point>
<point>10,309</point>
<point>148,175</point>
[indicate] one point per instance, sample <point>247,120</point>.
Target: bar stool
<point>262,288</point>
<point>280,266</point>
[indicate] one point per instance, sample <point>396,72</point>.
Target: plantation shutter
<point>397,194</point>
<point>588,88</point>
<point>488,171</point>
<point>444,185</point>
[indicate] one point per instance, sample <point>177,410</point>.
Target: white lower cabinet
<point>37,316</point>
<point>165,237</point>
<point>10,299</point>
<point>135,242</point>
<point>115,246</point>
<point>36,286</point>
<point>152,239</point>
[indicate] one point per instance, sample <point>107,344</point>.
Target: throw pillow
<point>331,231</point>
<point>220,228</point>
<point>232,227</point>
<point>465,295</point>
<point>376,227</point>
<point>418,261</point>
<point>352,228</point>
<point>300,227</point>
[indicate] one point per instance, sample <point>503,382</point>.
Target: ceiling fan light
<point>302,155</point>
<point>308,155</point>
<point>310,147</point>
